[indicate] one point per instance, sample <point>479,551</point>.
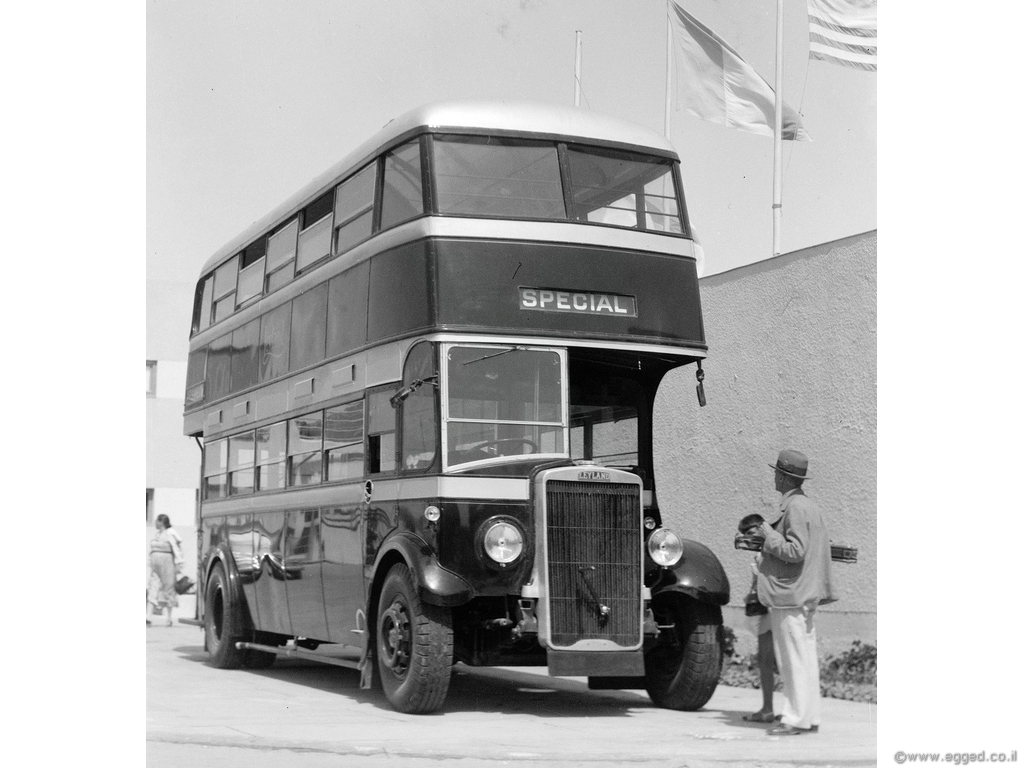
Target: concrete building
<point>172,460</point>
<point>791,364</point>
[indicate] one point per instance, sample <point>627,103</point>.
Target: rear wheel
<point>218,621</point>
<point>414,646</point>
<point>221,632</point>
<point>684,667</point>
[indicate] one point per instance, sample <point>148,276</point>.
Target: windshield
<point>504,402</point>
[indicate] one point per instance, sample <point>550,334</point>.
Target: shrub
<point>851,675</point>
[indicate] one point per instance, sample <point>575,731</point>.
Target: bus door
<point>271,592</point>
<point>303,567</point>
<point>344,589</point>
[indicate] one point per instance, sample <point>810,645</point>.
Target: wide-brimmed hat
<point>792,463</point>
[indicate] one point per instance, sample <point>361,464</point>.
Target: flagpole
<point>668,72</point>
<point>777,185</point>
<point>579,67</point>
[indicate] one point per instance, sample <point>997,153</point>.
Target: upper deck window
<point>353,209</point>
<point>403,186</point>
<point>623,189</point>
<point>484,176</point>
<point>315,237</point>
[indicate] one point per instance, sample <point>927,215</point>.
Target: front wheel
<point>684,667</point>
<point>414,646</point>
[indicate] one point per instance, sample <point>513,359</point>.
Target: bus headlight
<point>503,542</point>
<point>665,548</point>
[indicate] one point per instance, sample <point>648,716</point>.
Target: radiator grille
<point>593,536</point>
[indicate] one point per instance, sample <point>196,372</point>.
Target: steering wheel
<point>482,447</point>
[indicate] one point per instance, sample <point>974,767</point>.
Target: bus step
<point>300,653</point>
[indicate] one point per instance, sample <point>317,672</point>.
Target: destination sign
<point>544,300</point>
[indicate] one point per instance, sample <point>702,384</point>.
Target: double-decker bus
<point>424,391</point>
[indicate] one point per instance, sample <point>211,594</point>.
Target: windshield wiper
<point>495,354</point>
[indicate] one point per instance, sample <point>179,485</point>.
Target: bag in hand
<point>753,606</point>
<point>184,585</point>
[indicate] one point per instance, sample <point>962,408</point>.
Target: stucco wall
<point>791,364</point>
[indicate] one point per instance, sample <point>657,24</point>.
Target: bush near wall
<point>852,675</point>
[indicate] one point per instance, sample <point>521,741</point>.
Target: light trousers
<point>796,651</point>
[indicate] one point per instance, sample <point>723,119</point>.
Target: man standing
<point>794,578</point>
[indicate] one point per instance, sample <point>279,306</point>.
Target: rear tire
<point>683,669</point>
<point>413,646</point>
<point>219,622</point>
<point>221,634</point>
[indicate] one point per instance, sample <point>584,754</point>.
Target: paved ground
<point>306,715</point>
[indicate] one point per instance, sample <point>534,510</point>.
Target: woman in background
<point>165,563</point>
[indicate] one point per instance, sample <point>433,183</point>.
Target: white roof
<point>528,117</point>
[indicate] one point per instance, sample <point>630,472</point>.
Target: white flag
<point>844,32</point>
<point>716,84</point>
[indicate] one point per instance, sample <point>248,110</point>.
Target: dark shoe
<point>760,717</point>
<point>789,730</point>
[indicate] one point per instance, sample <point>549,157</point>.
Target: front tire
<point>683,669</point>
<point>414,646</point>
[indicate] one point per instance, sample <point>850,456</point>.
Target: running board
<point>299,653</point>
<point>193,622</point>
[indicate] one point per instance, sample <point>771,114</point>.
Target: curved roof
<point>525,116</point>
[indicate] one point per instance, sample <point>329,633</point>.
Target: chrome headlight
<point>503,542</point>
<point>665,548</point>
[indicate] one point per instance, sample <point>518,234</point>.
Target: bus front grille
<point>594,563</point>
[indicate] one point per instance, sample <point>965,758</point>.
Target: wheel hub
<point>395,638</point>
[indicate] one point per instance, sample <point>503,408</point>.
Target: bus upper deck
<point>462,218</point>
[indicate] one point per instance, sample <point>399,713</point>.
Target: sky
<point>248,101</point>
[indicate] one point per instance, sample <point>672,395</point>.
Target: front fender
<point>698,574</point>
<point>436,585</point>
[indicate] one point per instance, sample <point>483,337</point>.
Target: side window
<point>305,449</point>
<point>252,271</point>
<point>281,255</point>
<point>270,456</point>
<point>402,197</point>
<point>315,237</point>
<point>419,420</point>
<point>225,281</point>
<point>241,461</point>
<point>353,209</point>
<point>380,428</point>
<point>309,328</point>
<point>202,312</point>
<point>215,469</point>
<point>343,441</point>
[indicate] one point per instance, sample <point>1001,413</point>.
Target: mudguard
<point>436,584</point>
<point>698,574</point>
<point>239,607</point>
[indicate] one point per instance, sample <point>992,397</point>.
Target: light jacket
<point>796,558</point>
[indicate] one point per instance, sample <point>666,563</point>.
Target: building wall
<point>172,460</point>
<point>791,364</point>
